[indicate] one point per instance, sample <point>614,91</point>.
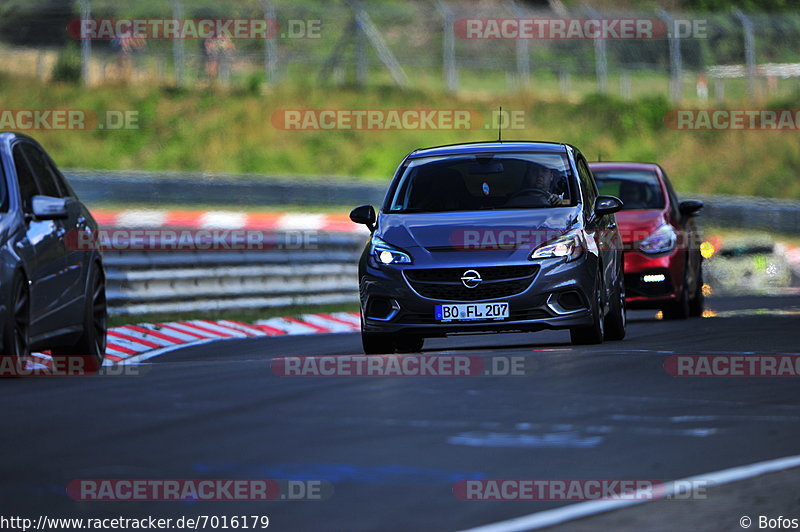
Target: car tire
<point>409,344</point>
<point>594,333</point>
<point>16,336</point>
<point>378,343</point>
<point>679,309</point>
<point>698,303</point>
<point>617,319</point>
<point>90,349</point>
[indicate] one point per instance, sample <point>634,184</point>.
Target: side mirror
<point>365,214</point>
<point>690,207</point>
<point>607,205</point>
<point>49,208</point>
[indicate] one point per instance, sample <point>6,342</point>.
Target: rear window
<point>638,189</point>
<point>483,182</point>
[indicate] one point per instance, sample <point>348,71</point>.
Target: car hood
<point>442,231</point>
<point>637,225</point>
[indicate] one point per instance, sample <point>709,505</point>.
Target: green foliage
<point>68,66</point>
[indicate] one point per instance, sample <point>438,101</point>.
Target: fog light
<point>654,278</point>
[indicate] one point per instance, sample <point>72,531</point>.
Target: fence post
<point>270,45</point>
<point>523,54</point>
<point>362,60</point>
<point>86,43</point>
<point>749,51</point>
<point>177,45</point>
<point>448,46</point>
<point>625,88</point>
<point>600,59</point>
<point>675,59</point>
<point>563,82</point>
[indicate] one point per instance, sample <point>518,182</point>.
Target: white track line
<point>585,509</point>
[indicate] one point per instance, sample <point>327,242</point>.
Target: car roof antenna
<point>599,157</point>
<point>500,125</point>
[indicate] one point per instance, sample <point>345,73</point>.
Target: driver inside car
<point>536,188</point>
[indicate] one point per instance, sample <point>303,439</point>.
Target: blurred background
<point>204,137</point>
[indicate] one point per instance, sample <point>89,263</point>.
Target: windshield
<point>483,182</point>
<point>638,189</point>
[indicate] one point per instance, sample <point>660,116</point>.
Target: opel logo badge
<point>471,279</point>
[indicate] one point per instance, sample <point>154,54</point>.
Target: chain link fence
<point>424,45</point>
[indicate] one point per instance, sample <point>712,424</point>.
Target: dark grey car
<point>52,290</point>
<point>509,236</point>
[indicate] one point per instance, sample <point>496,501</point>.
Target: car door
<point>602,228</point>
<point>76,257</point>
<point>43,251</point>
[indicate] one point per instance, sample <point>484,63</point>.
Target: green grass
<point>231,132</point>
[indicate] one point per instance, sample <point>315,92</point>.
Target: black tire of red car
<point>679,309</point>
<point>16,340</point>
<point>594,333</point>
<point>698,302</point>
<point>90,348</point>
<point>616,320</point>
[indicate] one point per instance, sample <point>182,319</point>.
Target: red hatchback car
<point>663,265</point>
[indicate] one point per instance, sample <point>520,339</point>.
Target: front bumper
<point>404,310</point>
<point>652,282</point>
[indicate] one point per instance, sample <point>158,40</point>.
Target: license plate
<point>472,311</point>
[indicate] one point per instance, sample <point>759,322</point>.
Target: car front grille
<point>445,283</point>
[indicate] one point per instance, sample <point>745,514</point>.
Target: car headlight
<point>387,254</point>
<point>661,240</point>
<point>570,245</point>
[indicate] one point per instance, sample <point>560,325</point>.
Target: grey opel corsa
<point>52,292</point>
<point>498,236</point>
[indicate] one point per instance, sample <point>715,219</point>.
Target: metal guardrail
<point>103,186</point>
<point>147,282</point>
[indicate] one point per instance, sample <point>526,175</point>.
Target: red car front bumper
<point>650,282</point>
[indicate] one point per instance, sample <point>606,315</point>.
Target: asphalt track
<point>392,448</point>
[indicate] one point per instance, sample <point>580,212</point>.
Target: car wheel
<point>594,333</point>
<point>679,310</point>
<point>698,302</point>
<point>617,319</point>
<point>409,344</point>
<point>91,347</point>
<point>377,343</point>
<point>16,338</point>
